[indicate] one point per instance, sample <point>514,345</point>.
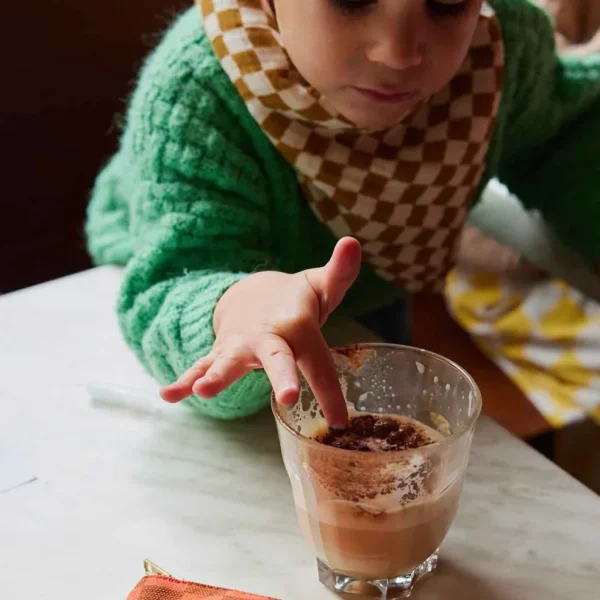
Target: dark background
<point>68,67</point>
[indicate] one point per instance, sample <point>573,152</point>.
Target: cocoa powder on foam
<point>380,474</point>
<point>369,433</point>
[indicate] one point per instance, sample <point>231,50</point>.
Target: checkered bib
<point>404,192</point>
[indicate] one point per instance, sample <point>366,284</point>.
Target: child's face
<point>375,59</point>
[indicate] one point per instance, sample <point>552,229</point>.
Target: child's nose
<point>398,50</point>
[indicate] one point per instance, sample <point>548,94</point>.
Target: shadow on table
<point>451,581</point>
<point>254,434</point>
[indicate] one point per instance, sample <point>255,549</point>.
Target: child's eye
<point>352,7</point>
<point>446,8</point>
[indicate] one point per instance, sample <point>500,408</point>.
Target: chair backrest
<point>591,19</point>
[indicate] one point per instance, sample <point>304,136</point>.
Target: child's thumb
<point>337,276</point>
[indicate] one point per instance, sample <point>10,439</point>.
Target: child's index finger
<point>316,363</point>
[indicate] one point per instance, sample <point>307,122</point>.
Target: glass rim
<point>446,441</point>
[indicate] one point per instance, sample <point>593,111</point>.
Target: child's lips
<point>387,96</point>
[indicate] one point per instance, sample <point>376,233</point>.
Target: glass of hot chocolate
<point>376,500</point>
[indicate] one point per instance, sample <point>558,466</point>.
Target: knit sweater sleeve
<point>551,141</point>
<point>198,209</point>
<point>107,225</point>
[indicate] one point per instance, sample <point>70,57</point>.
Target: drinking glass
<point>375,520</point>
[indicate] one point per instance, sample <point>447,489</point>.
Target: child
<point>262,132</point>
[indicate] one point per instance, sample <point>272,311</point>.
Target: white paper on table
<point>15,470</point>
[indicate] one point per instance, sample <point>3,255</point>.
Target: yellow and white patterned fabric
<point>543,334</point>
<point>403,193</point>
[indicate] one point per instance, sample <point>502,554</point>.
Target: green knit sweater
<point>197,197</point>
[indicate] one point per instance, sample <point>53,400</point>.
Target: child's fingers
<point>225,370</point>
<point>279,364</point>
<point>182,388</point>
<point>316,363</point>
<point>332,281</point>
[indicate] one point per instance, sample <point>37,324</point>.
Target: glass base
<point>400,586</point>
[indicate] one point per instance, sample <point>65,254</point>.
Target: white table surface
<point>118,481</point>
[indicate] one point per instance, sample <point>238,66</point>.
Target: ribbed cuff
<point>244,398</point>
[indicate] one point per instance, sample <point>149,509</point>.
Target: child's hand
<point>479,253</point>
<point>273,321</point>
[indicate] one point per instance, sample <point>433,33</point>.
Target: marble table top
<point>90,485</point>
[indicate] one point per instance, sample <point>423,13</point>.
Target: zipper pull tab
<point>151,569</point>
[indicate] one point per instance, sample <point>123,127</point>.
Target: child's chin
<point>374,118</point>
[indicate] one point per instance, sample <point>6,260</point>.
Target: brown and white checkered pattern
<point>403,193</point>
